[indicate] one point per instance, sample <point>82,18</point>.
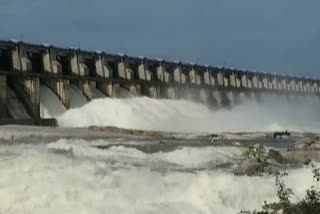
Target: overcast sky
<point>273,36</point>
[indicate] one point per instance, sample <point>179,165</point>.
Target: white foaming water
<point>34,180</point>
<point>187,157</point>
<point>50,104</point>
<point>269,114</point>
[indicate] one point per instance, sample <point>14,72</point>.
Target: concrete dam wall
<point>25,67</point>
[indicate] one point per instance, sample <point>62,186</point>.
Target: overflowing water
<point>50,105</point>
<point>75,176</point>
<point>270,113</point>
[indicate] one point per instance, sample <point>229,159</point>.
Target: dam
<point>25,67</point>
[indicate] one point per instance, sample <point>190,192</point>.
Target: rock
<point>303,143</point>
<point>277,157</point>
<point>308,143</point>
<point>306,149</point>
<point>302,156</point>
<point>62,151</point>
<point>249,167</point>
<point>134,132</point>
<point>273,161</point>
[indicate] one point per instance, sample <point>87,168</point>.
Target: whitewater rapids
<point>75,175</point>
<point>70,176</point>
<point>271,113</point>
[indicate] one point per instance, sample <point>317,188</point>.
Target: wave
<point>51,183</point>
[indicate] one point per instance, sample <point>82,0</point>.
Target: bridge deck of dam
<point>36,48</point>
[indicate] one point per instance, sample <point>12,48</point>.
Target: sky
<point>276,36</point>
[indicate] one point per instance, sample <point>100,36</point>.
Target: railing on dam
<point>23,67</point>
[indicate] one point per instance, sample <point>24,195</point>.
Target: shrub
<point>309,205</point>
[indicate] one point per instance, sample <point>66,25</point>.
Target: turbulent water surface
<point>70,176</point>
<point>74,176</point>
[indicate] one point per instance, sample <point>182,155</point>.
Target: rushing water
<point>73,176</point>
<point>70,176</point>
<point>271,113</point>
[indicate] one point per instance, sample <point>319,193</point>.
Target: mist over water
<point>268,113</point>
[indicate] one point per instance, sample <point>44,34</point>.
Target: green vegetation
<point>310,204</point>
<point>258,161</point>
